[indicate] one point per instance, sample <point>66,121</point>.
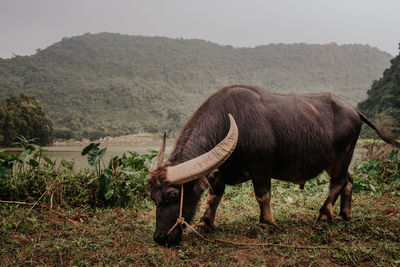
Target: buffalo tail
<point>382,135</point>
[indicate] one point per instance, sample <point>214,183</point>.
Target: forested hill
<point>112,84</point>
<point>383,102</point>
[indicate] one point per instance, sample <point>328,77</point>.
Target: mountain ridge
<point>111,84</point>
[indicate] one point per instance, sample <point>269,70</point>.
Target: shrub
<point>378,170</point>
<point>123,180</point>
<point>31,175</point>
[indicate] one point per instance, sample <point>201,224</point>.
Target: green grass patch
<point>123,236</point>
<point>85,228</point>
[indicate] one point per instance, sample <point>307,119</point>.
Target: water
<point>73,153</point>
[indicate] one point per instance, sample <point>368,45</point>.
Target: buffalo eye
<point>156,196</point>
<point>171,194</point>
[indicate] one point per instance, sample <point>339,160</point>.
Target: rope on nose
<point>180,221</point>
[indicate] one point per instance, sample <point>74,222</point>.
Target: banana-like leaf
<point>90,147</point>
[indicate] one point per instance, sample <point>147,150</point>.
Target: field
<point>63,232</point>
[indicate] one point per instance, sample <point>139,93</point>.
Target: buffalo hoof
<point>324,218</point>
<point>344,217</point>
<point>262,225</point>
<point>265,224</point>
<point>204,226</point>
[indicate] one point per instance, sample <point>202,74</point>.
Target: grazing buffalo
<point>264,135</point>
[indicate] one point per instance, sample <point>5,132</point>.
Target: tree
<point>24,115</point>
<point>383,102</point>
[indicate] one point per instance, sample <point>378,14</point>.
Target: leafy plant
<point>123,178</point>
<point>378,171</point>
<point>26,177</point>
<point>6,164</point>
<point>95,154</point>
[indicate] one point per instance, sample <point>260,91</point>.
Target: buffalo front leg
<point>262,190</point>
<point>215,193</point>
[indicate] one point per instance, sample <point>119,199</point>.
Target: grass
<point>118,236</point>
<point>82,228</point>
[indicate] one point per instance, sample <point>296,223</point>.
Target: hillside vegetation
<point>383,102</point>
<point>111,84</point>
<point>22,115</point>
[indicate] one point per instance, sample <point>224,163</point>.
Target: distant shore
<point>140,139</point>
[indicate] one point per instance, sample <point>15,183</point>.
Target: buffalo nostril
<point>160,238</point>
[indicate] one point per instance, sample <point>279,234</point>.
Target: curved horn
<point>204,164</point>
<point>160,154</point>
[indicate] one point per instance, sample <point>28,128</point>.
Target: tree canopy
<point>23,115</point>
<point>383,102</point>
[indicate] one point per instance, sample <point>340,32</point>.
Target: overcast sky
<point>26,25</point>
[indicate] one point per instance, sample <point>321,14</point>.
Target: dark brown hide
<point>288,137</point>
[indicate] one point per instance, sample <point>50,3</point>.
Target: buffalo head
<point>165,181</point>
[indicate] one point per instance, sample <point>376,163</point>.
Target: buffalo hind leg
<point>215,193</point>
<point>345,198</point>
<point>341,183</point>
<point>262,190</point>
<point>326,211</point>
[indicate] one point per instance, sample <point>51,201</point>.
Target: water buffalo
<point>290,137</point>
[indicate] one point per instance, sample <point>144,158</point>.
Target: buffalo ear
<point>157,177</point>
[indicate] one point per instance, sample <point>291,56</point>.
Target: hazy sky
<point>26,25</point>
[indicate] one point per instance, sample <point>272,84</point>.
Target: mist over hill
<point>111,84</point>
